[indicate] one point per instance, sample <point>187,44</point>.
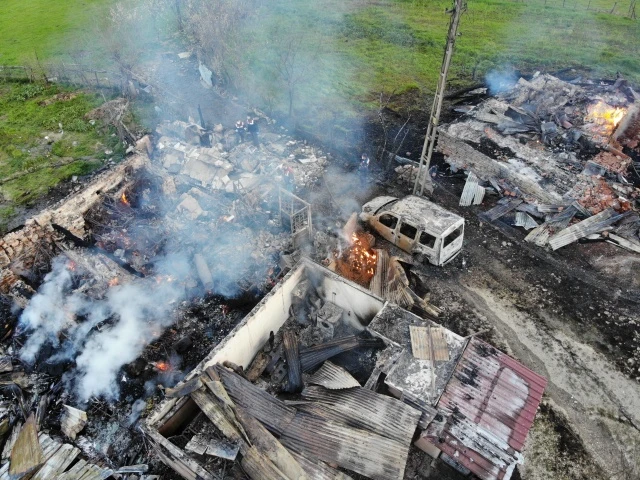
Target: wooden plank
<point>74,472</point>
<point>624,243</point>
<point>175,457</point>
<point>217,415</point>
<point>258,365</point>
<point>270,447</point>
<point>26,454</point>
<point>58,462</point>
<point>184,388</point>
<point>428,343</point>
<point>291,353</point>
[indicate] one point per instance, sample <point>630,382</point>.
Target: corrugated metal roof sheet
<point>499,397</point>
<point>472,192</point>
<point>333,377</point>
<point>352,448</point>
<point>273,413</point>
<point>524,220</point>
<point>363,408</point>
<point>593,224</point>
<point>504,206</point>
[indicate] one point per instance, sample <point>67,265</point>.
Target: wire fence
<point>65,73</point>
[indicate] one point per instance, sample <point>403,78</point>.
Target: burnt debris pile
<point>562,156</point>
<point>114,293</point>
<point>339,384</point>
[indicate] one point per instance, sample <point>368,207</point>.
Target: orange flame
<point>124,200</point>
<point>114,281</point>
<point>71,265</point>
<point>163,366</point>
<point>605,117</point>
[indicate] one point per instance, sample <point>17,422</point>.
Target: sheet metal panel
<point>498,395</point>
<point>502,209</point>
<point>333,377</point>
<point>368,410</point>
<point>469,191</point>
<point>355,449</point>
<point>273,413</point>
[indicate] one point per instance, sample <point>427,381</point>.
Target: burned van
<point>416,225</point>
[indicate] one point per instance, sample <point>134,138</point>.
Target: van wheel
<point>421,258</point>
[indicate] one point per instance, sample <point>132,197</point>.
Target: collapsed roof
<point>469,403</point>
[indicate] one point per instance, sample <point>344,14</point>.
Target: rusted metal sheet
<point>361,451</point>
<point>428,343</point>
<point>492,400</point>
<point>368,410</point>
<point>333,377</point>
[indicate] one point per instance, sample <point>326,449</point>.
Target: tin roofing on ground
<point>491,400</point>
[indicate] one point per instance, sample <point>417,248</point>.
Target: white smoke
<point>135,315</point>
<point>46,314</point>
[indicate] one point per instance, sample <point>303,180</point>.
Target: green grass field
<point>368,46</point>
<point>35,152</point>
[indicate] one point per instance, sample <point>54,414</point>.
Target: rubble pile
<point>236,167</point>
<point>326,397</point>
<point>559,146</point>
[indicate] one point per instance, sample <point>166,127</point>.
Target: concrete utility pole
<point>430,139</point>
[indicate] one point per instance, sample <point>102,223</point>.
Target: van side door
<point>406,236</point>
<point>386,224</point>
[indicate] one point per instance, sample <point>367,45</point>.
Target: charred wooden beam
<point>258,366</point>
<point>290,341</point>
<point>176,458</point>
<point>184,388</point>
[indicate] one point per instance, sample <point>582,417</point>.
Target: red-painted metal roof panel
<point>497,394</point>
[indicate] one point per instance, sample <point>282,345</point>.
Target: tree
<point>294,64</point>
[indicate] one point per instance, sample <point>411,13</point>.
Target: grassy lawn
<point>53,29</point>
<point>396,45</point>
<point>44,139</point>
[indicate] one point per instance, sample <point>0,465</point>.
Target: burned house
<point>561,155</point>
<point>380,379</point>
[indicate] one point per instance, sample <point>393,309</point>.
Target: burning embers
<point>124,200</point>
<point>357,261</point>
<point>604,118</point>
